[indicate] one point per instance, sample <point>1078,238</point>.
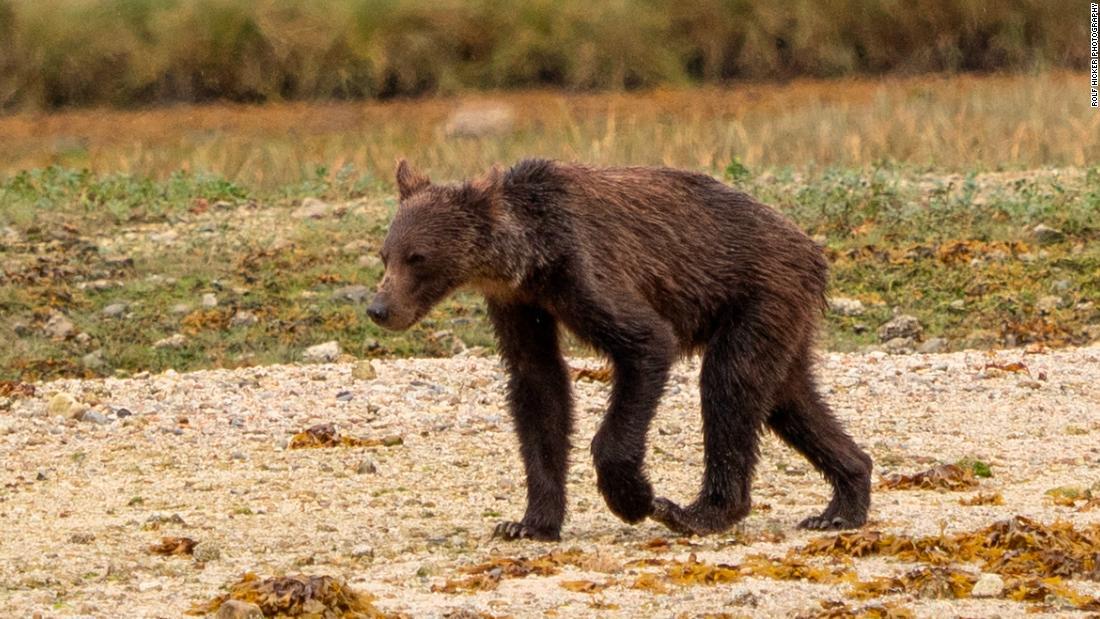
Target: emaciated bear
<point>644,264</point>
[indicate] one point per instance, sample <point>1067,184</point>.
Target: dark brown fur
<point>644,264</point>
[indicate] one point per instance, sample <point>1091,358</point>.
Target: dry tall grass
<point>957,123</point>
<point>125,52</point>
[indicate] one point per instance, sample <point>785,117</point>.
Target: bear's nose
<point>378,312</point>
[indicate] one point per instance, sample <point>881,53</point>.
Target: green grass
<point>897,238</point>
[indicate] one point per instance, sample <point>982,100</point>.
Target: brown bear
<point>644,264</point>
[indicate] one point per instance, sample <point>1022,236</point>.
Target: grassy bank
<point>140,52</point>
<point>129,261</point>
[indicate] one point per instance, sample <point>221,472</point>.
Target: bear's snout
<point>378,311</point>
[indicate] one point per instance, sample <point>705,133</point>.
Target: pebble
<point>988,586</point>
<point>94,360</point>
<point>326,352</point>
<point>845,306</point>
<point>206,551</point>
<point>901,326</point>
<point>115,310</point>
<point>366,467</point>
<point>344,396</point>
<point>312,208</point>
<point>96,417</point>
<point>176,340</point>
<point>363,551</point>
<point>899,345</point>
<point>180,308</point>
<point>243,318</point>
<point>364,370</point>
<point>1046,235</point>
<point>237,609</point>
<point>933,345</point>
<point>1048,303</point>
<point>355,294</point>
<point>209,300</point>
<point>59,326</point>
<point>63,405</point>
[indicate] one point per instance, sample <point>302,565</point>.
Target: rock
<point>901,326</point>
<point>58,326</point>
<point>1029,383</point>
<point>1049,303</point>
<point>96,417</point>
<point>1092,333</point>
<point>364,370</point>
<point>988,586</point>
<point>42,475</point>
<point>81,538</point>
<point>480,120</point>
<point>356,293</point>
<point>366,467</point>
<point>243,318</point>
<point>1045,235</point>
<point>362,551</point>
<point>345,396</point>
<point>448,341</point>
<point>94,360</point>
<point>206,551</point>
<point>83,339</point>
<point>63,405</point>
<point>669,430</point>
<point>981,338</point>
<point>392,440</point>
<point>312,208</point>
<point>1062,286</point>
<point>846,307</point>
<point>176,340</point>
<point>958,305</point>
<point>21,329</point>
<point>209,300</point>
<point>115,310</point>
<point>326,352</point>
<point>899,345</point>
<point>933,345</point>
<point>237,609</point>
<point>180,309</point>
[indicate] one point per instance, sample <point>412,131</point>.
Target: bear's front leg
<point>541,405</point>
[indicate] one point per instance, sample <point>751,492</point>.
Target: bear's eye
<point>415,259</point>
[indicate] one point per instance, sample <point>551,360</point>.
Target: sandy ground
<point>205,455</point>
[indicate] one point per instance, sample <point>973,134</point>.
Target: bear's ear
<point>409,181</point>
<point>482,192</point>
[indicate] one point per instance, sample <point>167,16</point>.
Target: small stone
<point>392,440</point>
<point>366,467</point>
<point>958,305</point>
<point>901,326</point>
<point>180,309</point>
<point>58,326</point>
<point>1045,235</point>
<point>355,294</point>
<point>846,307</point>
<point>899,345</point>
<point>345,396</point>
<point>1062,286</point>
<point>96,417</point>
<point>237,609</point>
<point>362,551</point>
<point>1092,333</point>
<point>122,413</point>
<point>176,340</point>
<point>243,318</point>
<point>206,551</point>
<point>988,586</point>
<point>669,430</point>
<point>364,370</point>
<point>209,300</point>
<point>63,405</point>
<point>1028,383</point>
<point>94,360</point>
<point>115,310</point>
<point>326,352</point>
<point>1048,303</point>
<point>933,345</point>
<point>312,208</point>
<point>81,538</point>
<point>238,455</point>
<point>42,475</point>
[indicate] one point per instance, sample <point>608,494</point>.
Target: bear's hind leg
<point>737,385</point>
<point>803,420</point>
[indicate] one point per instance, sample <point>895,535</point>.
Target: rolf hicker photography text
<point>1094,51</point>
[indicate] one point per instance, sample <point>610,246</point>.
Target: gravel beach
<point>96,471</point>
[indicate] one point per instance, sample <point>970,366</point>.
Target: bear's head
<point>435,244</point>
